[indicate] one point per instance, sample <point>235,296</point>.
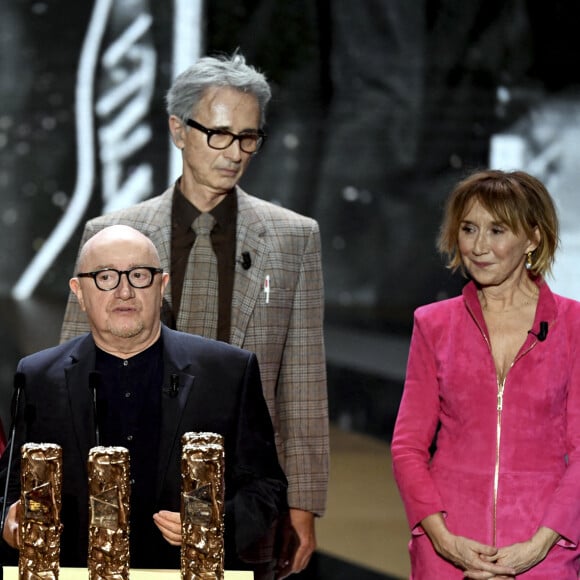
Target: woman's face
<point>490,251</point>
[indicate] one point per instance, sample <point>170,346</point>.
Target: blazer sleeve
<point>301,395</point>
<point>562,513</point>
<point>259,481</point>
<point>415,428</point>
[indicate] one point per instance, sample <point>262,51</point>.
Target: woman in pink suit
<point>486,447</point>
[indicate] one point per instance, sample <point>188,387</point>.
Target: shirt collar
<point>184,212</point>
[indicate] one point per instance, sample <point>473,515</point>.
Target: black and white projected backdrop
<point>378,108</point>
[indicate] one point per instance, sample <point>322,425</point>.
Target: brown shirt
<point>223,239</point>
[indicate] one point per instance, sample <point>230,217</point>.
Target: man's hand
<point>10,531</point>
<point>298,543</point>
<point>169,524</point>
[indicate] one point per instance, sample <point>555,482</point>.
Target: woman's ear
<point>535,240</point>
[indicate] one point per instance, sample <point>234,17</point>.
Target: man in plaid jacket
<point>270,287</point>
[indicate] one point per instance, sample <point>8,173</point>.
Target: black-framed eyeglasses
<point>108,278</point>
<point>222,139</point>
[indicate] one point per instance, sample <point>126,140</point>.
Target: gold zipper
<point>500,390</point>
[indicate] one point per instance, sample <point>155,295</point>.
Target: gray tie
<point>198,313</point>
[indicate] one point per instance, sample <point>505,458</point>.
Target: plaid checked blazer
<point>285,333</point>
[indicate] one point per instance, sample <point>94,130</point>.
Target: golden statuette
<point>40,498</point>
<point>109,495</point>
<point>202,507</point>
<point>202,437</point>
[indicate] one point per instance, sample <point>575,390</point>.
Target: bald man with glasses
<point>153,385</point>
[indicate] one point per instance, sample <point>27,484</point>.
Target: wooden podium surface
<point>11,573</point>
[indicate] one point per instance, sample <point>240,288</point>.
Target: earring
<point>529,263</point>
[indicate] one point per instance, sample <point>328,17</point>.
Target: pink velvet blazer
<point>503,466</point>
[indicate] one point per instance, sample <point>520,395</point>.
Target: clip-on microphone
<point>543,333</point>
<point>245,260</point>
<point>174,386</point>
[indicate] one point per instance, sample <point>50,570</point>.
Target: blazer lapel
<point>173,404</point>
<point>248,284</point>
<point>80,399</point>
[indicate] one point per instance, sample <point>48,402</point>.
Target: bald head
<point>117,235</point>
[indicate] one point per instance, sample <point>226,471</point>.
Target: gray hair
<point>216,71</point>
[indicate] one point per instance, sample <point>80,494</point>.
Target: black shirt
<point>129,415</point>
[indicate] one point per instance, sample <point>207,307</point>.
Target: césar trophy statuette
<point>109,495</point>
<point>202,507</point>
<point>40,497</point>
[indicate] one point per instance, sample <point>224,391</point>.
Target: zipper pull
<point>499,401</point>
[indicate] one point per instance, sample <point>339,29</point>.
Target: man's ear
<point>164,282</point>
<point>177,130</point>
<point>75,287</point>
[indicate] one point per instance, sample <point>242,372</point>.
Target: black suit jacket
<point>219,391</point>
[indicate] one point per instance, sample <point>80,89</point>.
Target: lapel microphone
<point>94,385</point>
<point>543,332</point>
<point>245,260</point>
<point>173,386</point>
<point>19,382</point>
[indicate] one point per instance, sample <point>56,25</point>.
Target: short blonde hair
<point>515,198</point>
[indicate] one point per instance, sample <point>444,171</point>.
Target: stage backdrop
<point>378,108</point>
